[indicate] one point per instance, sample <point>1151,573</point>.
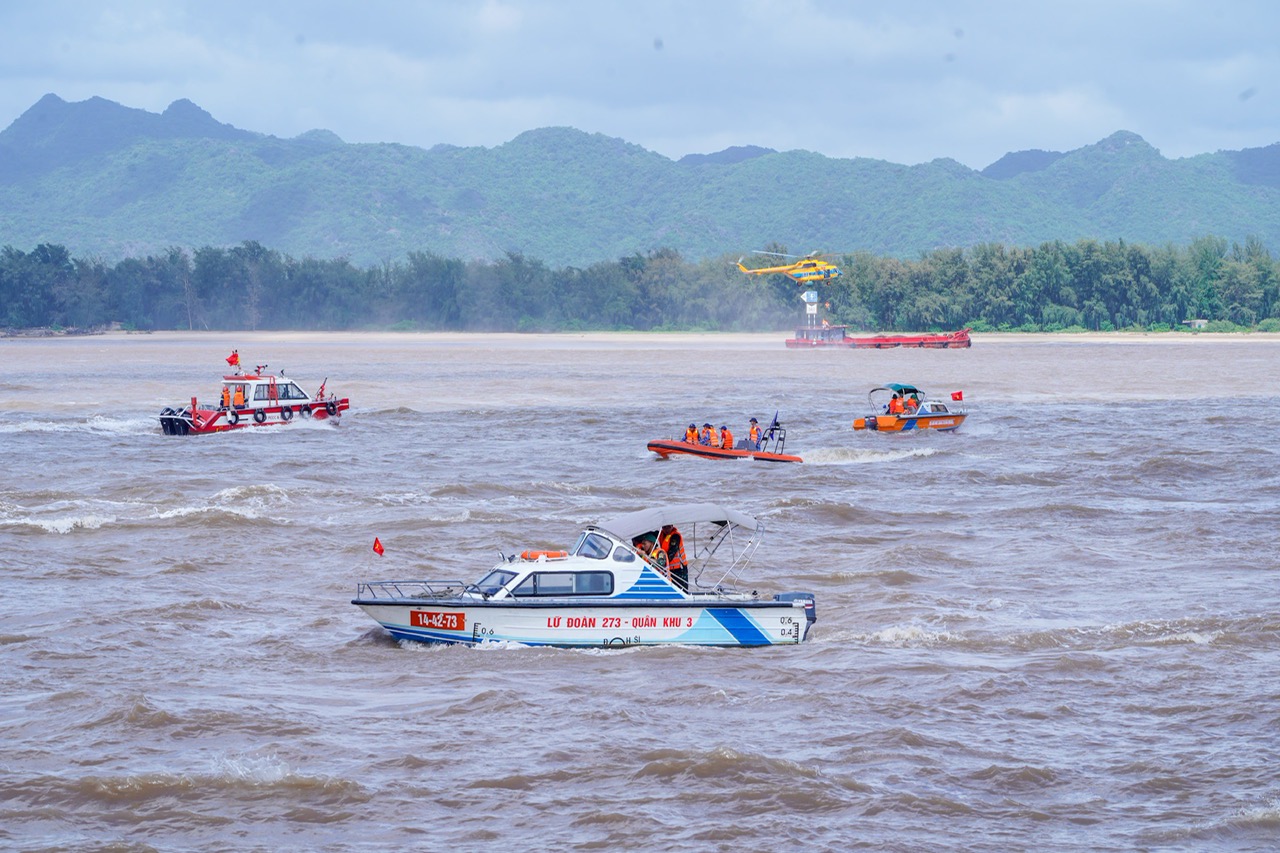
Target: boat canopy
<point>647,520</point>
<point>897,388</point>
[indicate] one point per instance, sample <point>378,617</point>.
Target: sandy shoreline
<point>646,339</point>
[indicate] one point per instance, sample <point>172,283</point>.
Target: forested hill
<point>107,180</point>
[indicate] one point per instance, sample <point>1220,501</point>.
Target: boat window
<point>262,392</point>
<point>594,546</point>
<point>565,583</point>
<point>622,555</point>
<point>494,581</point>
<point>291,391</point>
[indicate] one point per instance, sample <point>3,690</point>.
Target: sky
<point>904,81</point>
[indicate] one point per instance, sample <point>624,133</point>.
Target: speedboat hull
<point>667,448</point>
<point>598,624</point>
<point>910,423</point>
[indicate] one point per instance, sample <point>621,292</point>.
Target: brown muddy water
<point>1055,629</point>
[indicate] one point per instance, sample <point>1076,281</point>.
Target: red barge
<point>808,337</point>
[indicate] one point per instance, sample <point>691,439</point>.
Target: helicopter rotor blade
<point>775,254</point>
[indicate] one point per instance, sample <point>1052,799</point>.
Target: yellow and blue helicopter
<point>805,269</point>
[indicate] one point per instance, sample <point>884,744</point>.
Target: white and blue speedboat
<point>667,575</point>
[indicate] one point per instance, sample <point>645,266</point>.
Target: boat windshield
<point>494,581</point>
<point>593,546</point>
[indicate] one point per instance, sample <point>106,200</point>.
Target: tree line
<point>1085,285</point>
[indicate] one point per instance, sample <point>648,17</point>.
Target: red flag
<point>377,546</point>
<point>957,395</point>
<point>234,358</point>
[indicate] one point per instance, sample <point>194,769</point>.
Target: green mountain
<point>105,179</point>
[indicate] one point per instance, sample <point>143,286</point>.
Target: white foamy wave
<point>259,491</point>
<point>451,518</point>
<point>908,635</point>
<point>61,525</point>
<point>853,456</point>
<point>246,512</point>
<point>251,769</point>
<point>1264,815</point>
<point>97,424</point>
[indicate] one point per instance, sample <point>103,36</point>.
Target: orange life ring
<point>550,555</point>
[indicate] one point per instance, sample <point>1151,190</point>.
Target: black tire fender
<point>259,416</point>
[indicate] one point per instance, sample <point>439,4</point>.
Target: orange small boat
<point>928,414</point>
<point>770,449</point>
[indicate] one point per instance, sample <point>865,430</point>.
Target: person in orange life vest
<point>753,434</point>
<point>691,434</point>
<point>239,398</point>
<point>726,438</point>
<point>646,546</point>
<point>895,405</point>
<point>911,404</point>
<point>226,396</point>
<point>672,544</point>
<point>708,437</point>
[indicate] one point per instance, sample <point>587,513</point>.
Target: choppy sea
<point>1057,628</point>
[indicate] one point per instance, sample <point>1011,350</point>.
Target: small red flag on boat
<point>234,358</point>
<point>957,395</point>
<point>377,546</point>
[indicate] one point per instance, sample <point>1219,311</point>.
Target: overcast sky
<point>901,81</point>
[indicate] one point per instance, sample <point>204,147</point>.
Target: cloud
<point>906,83</point>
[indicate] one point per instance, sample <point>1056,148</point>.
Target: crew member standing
<point>672,544</point>
<point>753,434</point>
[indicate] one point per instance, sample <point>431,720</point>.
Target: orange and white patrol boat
<point>903,408</point>
<point>252,399</point>
<point>769,449</point>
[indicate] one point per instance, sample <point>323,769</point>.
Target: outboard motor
<point>872,422</point>
<point>811,603</point>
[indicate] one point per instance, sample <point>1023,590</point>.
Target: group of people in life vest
<point>229,400</point>
<point>903,405</point>
<point>665,552</point>
<point>709,437</point>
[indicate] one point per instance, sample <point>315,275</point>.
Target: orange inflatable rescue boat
<point>770,449</point>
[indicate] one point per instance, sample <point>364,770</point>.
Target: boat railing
<point>426,590</point>
<point>740,544</point>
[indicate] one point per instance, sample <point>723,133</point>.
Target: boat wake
<point>97,425</point>
<point>851,456</point>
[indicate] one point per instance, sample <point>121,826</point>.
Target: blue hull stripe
<point>739,625</point>
<point>650,585</point>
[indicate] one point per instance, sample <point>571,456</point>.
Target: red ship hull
<point>837,336</point>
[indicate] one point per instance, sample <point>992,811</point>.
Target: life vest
<point>895,406</point>
<point>691,435</point>
<point>726,439</point>
<point>226,396</point>
<point>239,395</point>
<point>754,434</point>
<point>675,555</point>
<point>707,437</point>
